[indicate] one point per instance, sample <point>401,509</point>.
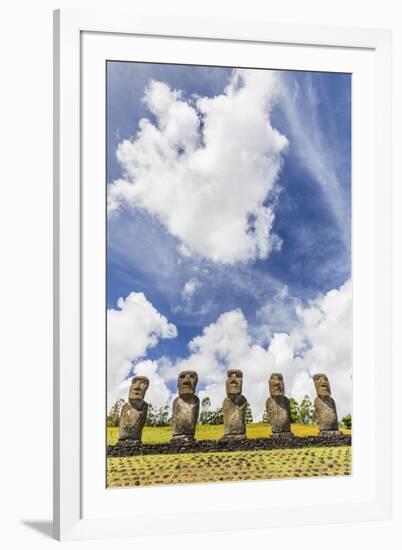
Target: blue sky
<point>309,197</point>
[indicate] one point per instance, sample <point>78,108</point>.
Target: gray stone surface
<point>134,413</point>
<point>125,448</point>
<point>278,407</point>
<point>325,407</point>
<point>234,407</point>
<point>185,408</point>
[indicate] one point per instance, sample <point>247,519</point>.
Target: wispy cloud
<point>316,151</point>
<point>190,288</point>
<point>145,256</point>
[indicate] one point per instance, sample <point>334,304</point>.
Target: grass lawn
<point>228,466</point>
<point>206,431</point>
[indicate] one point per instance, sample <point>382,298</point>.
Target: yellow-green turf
<point>225,466</point>
<point>206,431</point>
<point>228,466</point>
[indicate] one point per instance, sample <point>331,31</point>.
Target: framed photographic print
<point>222,312</point>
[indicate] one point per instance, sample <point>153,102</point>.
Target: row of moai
<point>187,405</point>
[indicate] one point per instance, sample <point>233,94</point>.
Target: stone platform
<point>127,448</point>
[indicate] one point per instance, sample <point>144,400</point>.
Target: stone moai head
<point>234,382</point>
<point>322,386</point>
<point>187,382</point>
<point>276,384</point>
<point>138,388</point>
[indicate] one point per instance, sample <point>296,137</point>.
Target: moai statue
<point>325,407</point>
<point>234,407</point>
<point>278,407</point>
<point>134,413</point>
<point>185,408</point>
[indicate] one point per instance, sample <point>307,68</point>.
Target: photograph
<point>203,258</point>
<point>228,274</point>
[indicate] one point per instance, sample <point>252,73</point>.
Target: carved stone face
<point>187,382</point>
<point>234,382</point>
<point>276,384</point>
<point>322,386</point>
<point>138,388</point>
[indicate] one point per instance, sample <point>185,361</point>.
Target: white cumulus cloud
<point>207,167</point>
<point>227,344</point>
<point>321,342</point>
<point>324,341</point>
<point>131,329</point>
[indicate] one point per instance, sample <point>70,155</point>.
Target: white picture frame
<point>82,505</point>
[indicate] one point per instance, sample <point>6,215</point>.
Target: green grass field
<point>206,431</point>
<point>228,466</point>
<point>225,466</point>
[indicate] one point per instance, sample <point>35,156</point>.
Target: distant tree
<point>116,408</point>
<point>347,421</point>
<point>150,421</point>
<point>163,416</point>
<point>249,414</point>
<point>294,411</point>
<point>306,411</point>
<point>265,417</point>
<point>216,416</point>
<point>205,415</point>
<point>206,403</point>
<point>113,418</point>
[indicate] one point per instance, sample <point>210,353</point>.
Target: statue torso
<point>278,412</point>
<point>132,420</point>
<point>326,413</point>
<point>185,414</point>
<point>234,413</point>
